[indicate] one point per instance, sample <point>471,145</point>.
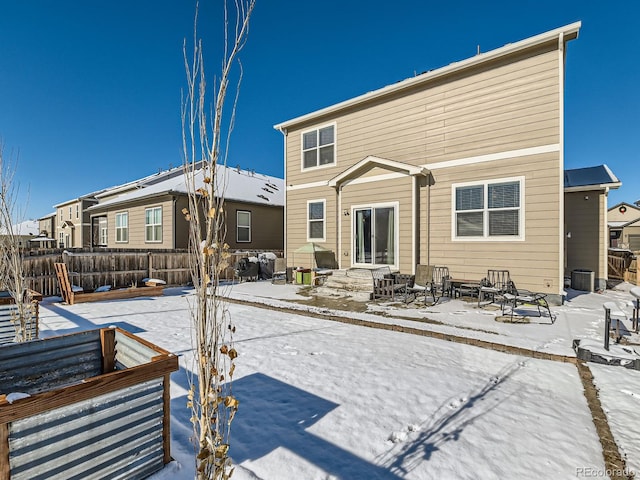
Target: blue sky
<point>90,90</point>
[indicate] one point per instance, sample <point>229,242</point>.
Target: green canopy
<point>311,247</point>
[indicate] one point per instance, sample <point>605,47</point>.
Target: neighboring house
<point>73,224</point>
<point>460,166</point>
<point>148,214</point>
<point>23,232</point>
<point>585,218</point>
<point>47,225</point>
<point>624,226</point>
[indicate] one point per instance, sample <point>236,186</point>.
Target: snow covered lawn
<point>326,400</point>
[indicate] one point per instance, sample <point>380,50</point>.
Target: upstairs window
<point>488,210</point>
<point>318,147</point>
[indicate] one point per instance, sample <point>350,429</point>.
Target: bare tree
<point>206,133</point>
<point>12,277</point>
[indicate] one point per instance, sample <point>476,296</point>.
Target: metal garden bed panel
<point>109,419</point>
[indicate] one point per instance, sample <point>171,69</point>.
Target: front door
<point>375,235</point>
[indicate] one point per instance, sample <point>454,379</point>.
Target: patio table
<point>460,286</point>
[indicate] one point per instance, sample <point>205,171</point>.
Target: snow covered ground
<point>328,400</point>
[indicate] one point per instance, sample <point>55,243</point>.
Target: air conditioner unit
<point>582,280</point>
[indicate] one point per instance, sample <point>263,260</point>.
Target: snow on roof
<point>616,224</point>
<point>28,227</point>
<point>239,185</point>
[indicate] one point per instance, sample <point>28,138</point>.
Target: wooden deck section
<point>71,297</point>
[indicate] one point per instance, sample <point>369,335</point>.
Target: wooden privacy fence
<point>118,268</point>
<point>623,266</point>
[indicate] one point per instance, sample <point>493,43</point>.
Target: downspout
<point>428,198</point>
<point>284,212</point>
<point>175,226</point>
<point>562,233</point>
<point>414,221</point>
<point>339,225</point>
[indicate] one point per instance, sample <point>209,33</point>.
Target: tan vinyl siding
<point>297,222</point>
<point>533,261</point>
<point>512,106</point>
<point>386,192</point>
<point>137,225</point>
<point>631,213</point>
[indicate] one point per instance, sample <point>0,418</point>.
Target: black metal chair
<point>494,286</point>
<point>514,297</point>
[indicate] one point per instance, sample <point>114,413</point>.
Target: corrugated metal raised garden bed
<point>96,406</point>
<point>8,311</point>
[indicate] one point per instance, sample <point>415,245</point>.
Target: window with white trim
<point>243,226</point>
<point>102,231</point>
<point>153,224</point>
<point>318,147</point>
<point>491,209</point>
<point>78,211</point>
<point>122,227</point>
<point>316,220</point>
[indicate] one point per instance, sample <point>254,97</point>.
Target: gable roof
<point>566,33</point>
<point>27,227</point>
<point>239,185</point>
<point>590,178</point>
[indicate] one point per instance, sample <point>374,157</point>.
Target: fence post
<point>150,265</point>
<point>607,326</point>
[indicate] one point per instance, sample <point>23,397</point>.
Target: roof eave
<point>567,33</point>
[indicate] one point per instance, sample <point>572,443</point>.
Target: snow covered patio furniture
<point>93,404</point>
<point>494,286</point>
<point>386,285</point>
<point>430,281</point>
<point>73,294</point>
<point>513,298</point>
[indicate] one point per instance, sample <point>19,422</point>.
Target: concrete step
<point>347,282</point>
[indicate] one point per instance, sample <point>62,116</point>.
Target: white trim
<point>522,152</point>
<point>374,161</point>
<point>335,147</point>
<point>396,234</point>
<point>302,186</point>
<point>146,240</point>
<point>115,221</point>
<point>324,220</point>
<point>486,237</point>
<point>238,211</point>
<point>568,32</point>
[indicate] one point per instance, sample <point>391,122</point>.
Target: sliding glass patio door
<point>375,235</point>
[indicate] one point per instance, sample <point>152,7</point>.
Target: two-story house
<point>460,166</point>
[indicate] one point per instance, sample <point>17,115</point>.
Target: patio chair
<point>514,297</point>
<point>279,271</point>
<point>494,286</point>
<point>325,264</point>
<point>430,280</point>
